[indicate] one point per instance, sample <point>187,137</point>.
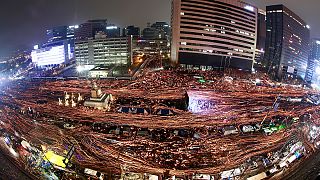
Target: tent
<point>134,110</point>
<point>143,111</point>
<point>165,112</point>
<point>124,110</point>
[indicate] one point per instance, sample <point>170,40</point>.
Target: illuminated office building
<point>131,31</point>
<point>209,34</point>
<point>104,51</point>
<point>151,47</point>
<point>90,28</point>
<point>61,33</point>
<point>261,37</point>
<point>313,70</point>
<point>50,56</point>
<point>158,30</point>
<point>287,43</point>
<point>113,31</point>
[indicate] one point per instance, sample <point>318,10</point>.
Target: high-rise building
<point>61,36</point>
<point>113,31</point>
<point>287,43</point>
<point>261,36</point>
<point>150,33</point>
<point>131,31</point>
<point>90,28</point>
<point>158,30</point>
<point>207,34</point>
<point>163,28</point>
<point>57,33</point>
<point>61,33</point>
<point>313,70</point>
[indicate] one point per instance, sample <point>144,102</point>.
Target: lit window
<point>250,8</point>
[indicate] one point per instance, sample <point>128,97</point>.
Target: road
<point>9,170</point>
<point>309,169</point>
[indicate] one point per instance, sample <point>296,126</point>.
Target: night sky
<point>23,22</point>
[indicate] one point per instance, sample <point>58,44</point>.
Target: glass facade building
<point>261,37</point>
<point>287,43</point>
<point>313,70</point>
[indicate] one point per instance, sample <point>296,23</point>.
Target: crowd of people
<point>182,142</point>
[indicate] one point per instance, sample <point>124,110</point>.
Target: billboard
<point>49,56</point>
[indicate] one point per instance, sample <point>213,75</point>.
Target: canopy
<point>165,112</point>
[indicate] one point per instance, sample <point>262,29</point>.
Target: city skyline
<point>36,16</point>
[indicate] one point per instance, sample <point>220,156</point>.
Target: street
<point>231,124</point>
<point>9,170</point>
<point>309,169</point>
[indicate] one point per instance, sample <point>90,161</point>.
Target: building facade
<point>62,36</point>
<point>207,34</point>
<point>151,47</point>
<point>287,43</point>
<point>158,30</point>
<point>150,33</point>
<point>147,47</point>
<point>313,70</point>
<point>261,37</point>
<point>104,51</point>
<point>61,33</point>
<point>163,28</point>
<point>131,31</point>
<point>53,55</point>
<point>90,28</point>
<point>113,31</point>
